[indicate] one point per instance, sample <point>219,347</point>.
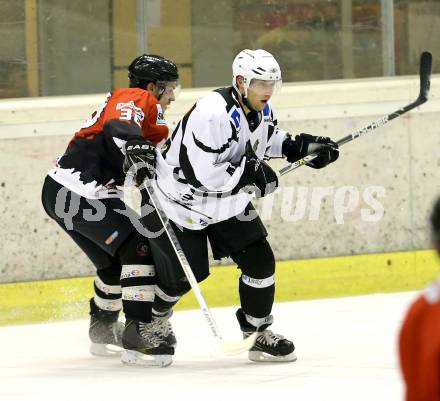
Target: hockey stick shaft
<point>425,75</point>
<point>230,348</point>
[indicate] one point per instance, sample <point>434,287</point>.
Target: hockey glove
<point>140,159</point>
<point>305,144</point>
<point>258,174</point>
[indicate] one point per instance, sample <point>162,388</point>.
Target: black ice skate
<point>268,347</point>
<point>147,344</point>
<point>105,332</point>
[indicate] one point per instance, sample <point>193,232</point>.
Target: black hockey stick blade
<point>425,75</point>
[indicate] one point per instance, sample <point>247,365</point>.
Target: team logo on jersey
<point>130,112</point>
<point>160,120</point>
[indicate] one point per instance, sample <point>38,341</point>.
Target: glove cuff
<point>290,149</point>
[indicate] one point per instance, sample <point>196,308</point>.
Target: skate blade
<point>238,347</point>
<point>130,357</point>
<point>258,356</point>
<point>107,350</point>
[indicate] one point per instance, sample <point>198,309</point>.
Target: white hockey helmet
<point>255,64</point>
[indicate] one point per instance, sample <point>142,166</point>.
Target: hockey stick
<point>425,76</point>
<point>228,347</point>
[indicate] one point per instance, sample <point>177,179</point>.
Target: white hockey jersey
<point>202,162</point>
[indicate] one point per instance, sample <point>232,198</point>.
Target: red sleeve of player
<point>154,126</point>
<point>419,348</point>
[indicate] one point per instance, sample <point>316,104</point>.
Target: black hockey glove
<point>305,144</point>
<point>140,159</point>
<point>258,174</point>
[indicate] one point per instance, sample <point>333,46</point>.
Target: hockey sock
<point>138,282</point>
<point>256,285</point>
<point>256,295</point>
<point>107,290</point>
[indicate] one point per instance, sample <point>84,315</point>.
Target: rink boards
<point>295,279</point>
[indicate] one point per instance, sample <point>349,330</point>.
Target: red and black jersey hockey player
<point>81,195</point>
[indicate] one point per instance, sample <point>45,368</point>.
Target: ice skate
<point>105,332</point>
<point>147,344</point>
<point>268,347</point>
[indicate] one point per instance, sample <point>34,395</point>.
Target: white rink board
<point>346,350</point>
<point>34,131</point>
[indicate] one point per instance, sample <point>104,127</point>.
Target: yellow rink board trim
<point>295,279</point>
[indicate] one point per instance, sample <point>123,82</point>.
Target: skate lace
<point>269,338</point>
<point>152,332</point>
<point>163,325</point>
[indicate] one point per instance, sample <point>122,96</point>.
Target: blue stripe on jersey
<point>266,110</point>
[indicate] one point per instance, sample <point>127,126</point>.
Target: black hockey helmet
<point>151,68</point>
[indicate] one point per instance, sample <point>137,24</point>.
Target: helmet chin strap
<point>161,92</point>
<point>245,100</point>
<point>253,117</point>
<point>248,104</point>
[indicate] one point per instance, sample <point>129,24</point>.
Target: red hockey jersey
<point>129,104</point>
<point>92,163</point>
<point>419,347</point>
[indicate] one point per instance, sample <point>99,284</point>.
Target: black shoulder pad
<point>226,94</point>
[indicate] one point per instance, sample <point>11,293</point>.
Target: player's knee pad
<point>257,260</point>
<point>170,273</point>
<point>135,250</point>
<point>110,274</point>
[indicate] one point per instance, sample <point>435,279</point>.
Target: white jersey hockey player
<point>203,176</point>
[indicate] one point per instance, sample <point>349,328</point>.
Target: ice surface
<point>346,350</point>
